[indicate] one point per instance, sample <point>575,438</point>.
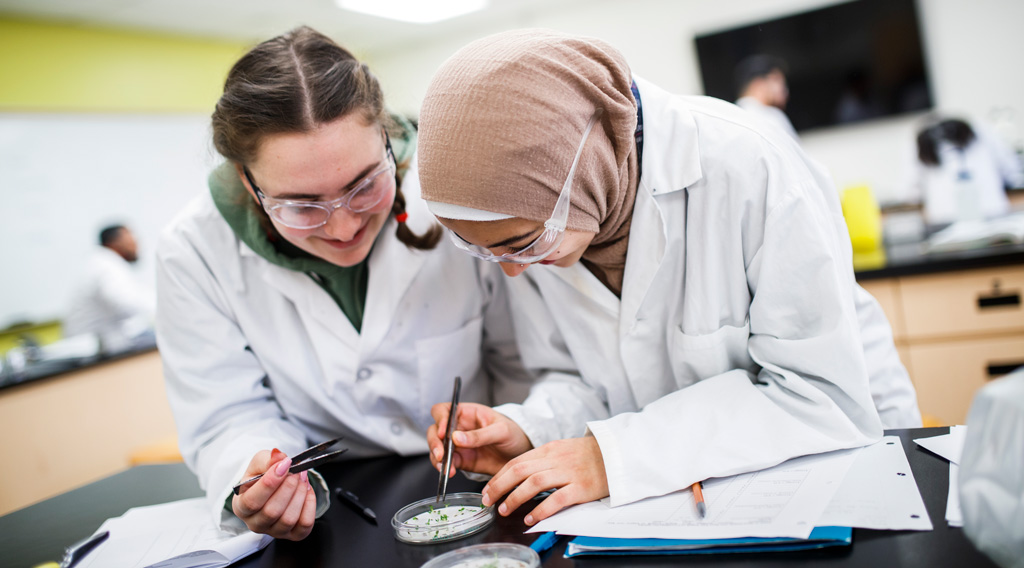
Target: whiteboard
<point>63,177</point>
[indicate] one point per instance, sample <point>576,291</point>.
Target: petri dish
<point>491,555</point>
<point>428,522</point>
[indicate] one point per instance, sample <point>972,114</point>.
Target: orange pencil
<point>698,498</point>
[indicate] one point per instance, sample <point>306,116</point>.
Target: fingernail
<point>503,509</point>
<point>305,478</point>
<point>438,454</point>
<point>276,454</point>
<point>486,500</point>
<point>282,467</point>
<point>529,519</point>
<point>459,437</point>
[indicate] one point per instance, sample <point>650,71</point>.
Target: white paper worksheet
<point>782,501</point>
<point>172,535</point>
<point>879,492</point>
<point>949,446</point>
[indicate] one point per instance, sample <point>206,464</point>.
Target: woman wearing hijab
<point>696,316</point>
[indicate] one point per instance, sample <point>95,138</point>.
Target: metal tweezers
<point>306,459</point>
<point>453,410</point>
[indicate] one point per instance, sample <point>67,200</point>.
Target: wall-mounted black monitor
<point>846,63</point>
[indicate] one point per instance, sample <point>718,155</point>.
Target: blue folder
<point>820,537</point>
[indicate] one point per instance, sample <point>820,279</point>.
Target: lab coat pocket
<point>444,357</point>
<point>698,357</point>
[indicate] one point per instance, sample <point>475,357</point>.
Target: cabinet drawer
<point>887,293</point>
<point>947,374</point>
<point>973,302</point>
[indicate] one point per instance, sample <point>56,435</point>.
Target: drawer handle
<point>1000,370</point>
<point>1000,300</point>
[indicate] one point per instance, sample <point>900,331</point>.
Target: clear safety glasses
<point>554,228</point>
<point>364,195</point>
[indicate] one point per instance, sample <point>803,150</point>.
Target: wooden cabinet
<point>62,432</point>
<point>955,331</point>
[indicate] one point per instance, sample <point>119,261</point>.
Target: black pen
<point>77,551</point>
<point>352,501</point>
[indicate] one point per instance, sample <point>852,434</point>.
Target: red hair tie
<point>402,217</point>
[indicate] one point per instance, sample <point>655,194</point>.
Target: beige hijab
<point>500,125</point>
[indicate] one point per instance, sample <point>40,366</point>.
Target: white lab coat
<point>736,342</point>
<point>773,116</point>
<point>990,166</point>
<point>992,471</point>
<point>891,387</point>
<point>110,301</point>
<point>257,356</point>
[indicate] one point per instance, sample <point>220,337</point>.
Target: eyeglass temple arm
<point>255,190</point>
<point>560,216</point>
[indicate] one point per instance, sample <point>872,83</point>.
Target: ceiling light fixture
<point>415,11</point>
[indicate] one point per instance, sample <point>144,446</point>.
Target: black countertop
<point>44,369</point>
<point>342,538</point>
<point>911,259</point>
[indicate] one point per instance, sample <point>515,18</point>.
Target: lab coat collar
<point>309,298</point>
<point>647,244</point>
<point>393,267</point>
<point>671,160</point>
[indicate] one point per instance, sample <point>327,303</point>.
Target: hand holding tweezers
<point>306,459</point>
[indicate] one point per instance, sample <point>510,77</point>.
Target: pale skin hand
<point>483,441</point>
<point>574,466</point>
<point>280,504</point>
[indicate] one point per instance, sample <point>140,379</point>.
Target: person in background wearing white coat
<point>761,84</point>
<point>961,172</point>
<point>111,301</point>
<point>306,296</point>
<point>695,317</point>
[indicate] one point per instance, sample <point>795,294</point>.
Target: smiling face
<point>511,235</point>
<point>322,165</point>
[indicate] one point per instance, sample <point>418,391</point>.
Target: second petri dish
<point>491,555</point>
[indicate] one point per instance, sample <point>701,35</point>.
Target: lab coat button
<point>364,374</point>
<point>396,428</point>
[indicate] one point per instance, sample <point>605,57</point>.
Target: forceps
<point>306,459</point>
<point>442,482</point>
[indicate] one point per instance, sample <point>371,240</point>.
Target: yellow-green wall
<point>59,67</point>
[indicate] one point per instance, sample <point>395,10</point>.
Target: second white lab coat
<point>110,301</point>
<point>257,356</point>
<point>736,342</point>
<point>990,166</point>
<point>773,116</point>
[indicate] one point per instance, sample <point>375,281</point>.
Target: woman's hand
<point>280,504</point>
<point>574,467</point>
<point>484,440</point>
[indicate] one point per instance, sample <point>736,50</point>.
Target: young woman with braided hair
<point>306,297</point>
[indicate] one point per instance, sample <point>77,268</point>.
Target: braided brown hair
<point>293,83</point>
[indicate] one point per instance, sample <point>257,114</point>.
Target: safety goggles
<point>363,196</point>
<point>554,228</point>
